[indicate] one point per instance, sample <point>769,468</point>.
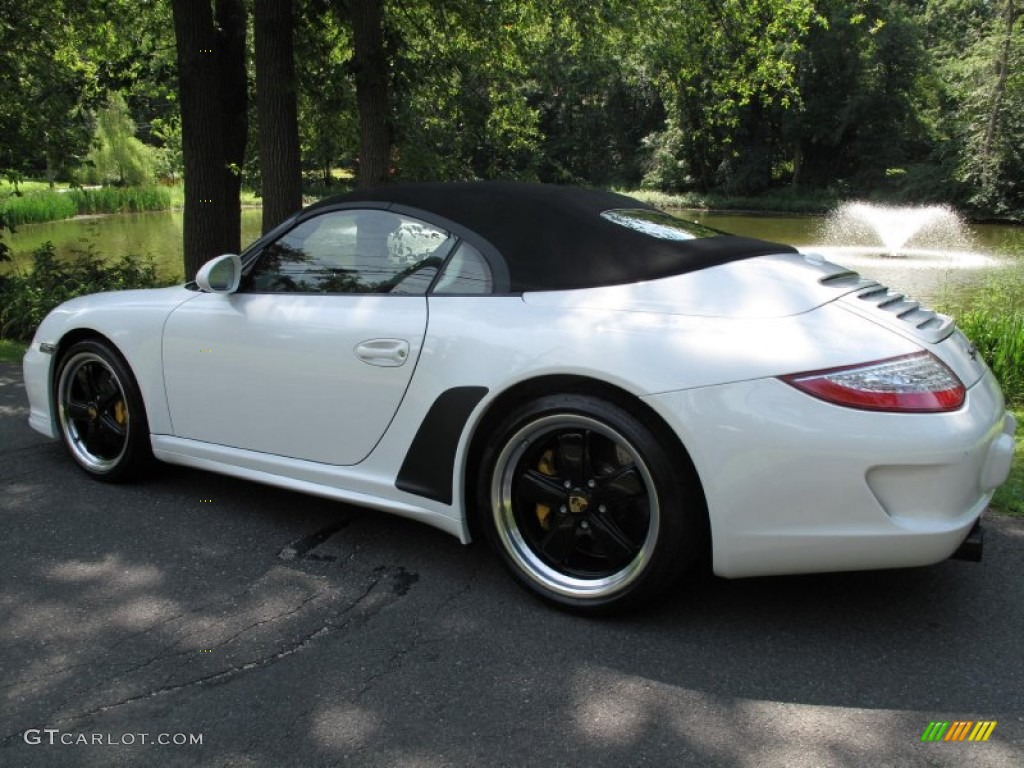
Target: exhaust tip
<point>972,546</point>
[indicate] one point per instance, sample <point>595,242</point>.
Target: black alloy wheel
<point>584,505</point>
<point>99,412</point>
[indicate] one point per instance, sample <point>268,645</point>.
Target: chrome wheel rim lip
<point>515,543</point>
<point>73,437</point>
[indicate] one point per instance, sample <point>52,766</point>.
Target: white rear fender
<point>492,341</point>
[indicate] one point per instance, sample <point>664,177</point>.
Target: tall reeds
<point>53,205</point>
<point>120,199</point>
<point>37,207</point>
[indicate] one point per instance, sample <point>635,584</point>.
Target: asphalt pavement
<point>201,620</point>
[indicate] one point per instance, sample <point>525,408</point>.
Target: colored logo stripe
<point>958,730</point>
<point>982,730</point>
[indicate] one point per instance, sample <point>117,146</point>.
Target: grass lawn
<point>6,188</point>
<point>12,351</point>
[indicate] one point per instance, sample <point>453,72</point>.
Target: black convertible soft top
<point>554,238</point>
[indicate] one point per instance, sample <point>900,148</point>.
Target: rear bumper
<point>797,485</point>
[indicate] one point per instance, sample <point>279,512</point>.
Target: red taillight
<point>917,383</point>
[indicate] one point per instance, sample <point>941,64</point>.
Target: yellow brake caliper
<point>120,412</point>
<point>546,466</point>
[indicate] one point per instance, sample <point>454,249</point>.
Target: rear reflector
<point>917,383</point>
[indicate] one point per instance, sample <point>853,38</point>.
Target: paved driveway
<point>286,630</point>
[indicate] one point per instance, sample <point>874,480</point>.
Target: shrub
<point>992,317</point>
<point>26,298</point>
<point>999,337</point>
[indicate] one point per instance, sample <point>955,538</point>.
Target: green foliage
<point>978,65</point>
<point>47,86</point>
<point>992,317</point>
<point>999,337</point>
<point>461,84</point>
<point>169,157</point>
<point>926,182</point>
<point>27,298</point>
<point>117,157</point>
<point>328,118</point>
<point>595,101</point>
<point>666,170</point>
<point>858,74</point>
<point>58,61</point>
<point>720,66</point>
<point>889,99</point>
<point>15,179</point>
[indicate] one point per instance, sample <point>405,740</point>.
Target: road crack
<point>385,586</point>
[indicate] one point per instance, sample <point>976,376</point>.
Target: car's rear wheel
<point>100,413</point>
<point>585,505</point>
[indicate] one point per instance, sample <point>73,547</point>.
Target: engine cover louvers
<point>923,322</point>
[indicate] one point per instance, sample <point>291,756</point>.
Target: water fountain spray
<point>894,229</point>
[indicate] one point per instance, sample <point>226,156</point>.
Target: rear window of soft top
<point>658,224</point>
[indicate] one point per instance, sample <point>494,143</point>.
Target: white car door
<point>311,358</point>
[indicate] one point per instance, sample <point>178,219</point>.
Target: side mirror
<point>220,275</point>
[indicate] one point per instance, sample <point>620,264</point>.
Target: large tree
<point>212,93</point>
<point>280,168</point>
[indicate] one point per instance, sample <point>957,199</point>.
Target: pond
<point>935,272</point>
<point>156,235</point>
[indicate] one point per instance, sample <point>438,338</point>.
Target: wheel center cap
<point>578,502</point>
<point>93,413</point>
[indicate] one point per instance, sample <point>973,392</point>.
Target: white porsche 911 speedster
<point>607,393</point>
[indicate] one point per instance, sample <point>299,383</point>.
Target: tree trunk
<point>209,97</point>
<point>278,114</point>
<point>798,163</point>
<point>370,66</point>
<point>234,97</point>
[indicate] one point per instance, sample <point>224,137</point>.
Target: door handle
<point>387,353</point>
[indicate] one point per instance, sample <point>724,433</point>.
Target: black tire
<point>100,414</point>
<point>585,506</point>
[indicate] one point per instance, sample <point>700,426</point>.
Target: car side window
<point>466,272</point>
<point>352,251</point>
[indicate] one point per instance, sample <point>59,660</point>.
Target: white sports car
<point>605,392</point>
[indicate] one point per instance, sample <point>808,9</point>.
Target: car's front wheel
<point>585,505</point>
<point>100,413</point>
